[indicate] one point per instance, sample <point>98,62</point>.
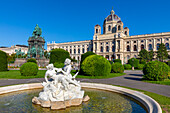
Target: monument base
<point>40,62</point>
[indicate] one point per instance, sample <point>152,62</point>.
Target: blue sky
<point>74,20</point>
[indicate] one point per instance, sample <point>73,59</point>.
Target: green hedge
<point>140,66</point>
<point>96,65</point>
<point>133,62</point>
<point>29,69</point>
<point>117,68</point>
<point>142,62</point>
<point>59,55</point>
<point>58,65</point>
<point>3,61</point>
<point>127,66</point>
<point>155,70</point>
<point>117,60</point>
<point>32,60</point>
<point>83,57</point>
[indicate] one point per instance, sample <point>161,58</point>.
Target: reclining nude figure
<point>59,75</point>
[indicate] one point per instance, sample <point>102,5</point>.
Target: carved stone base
<point>60,104</point>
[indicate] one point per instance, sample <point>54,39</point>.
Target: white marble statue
<point>61,85</point>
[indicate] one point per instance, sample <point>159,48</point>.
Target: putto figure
<point>60,89</point>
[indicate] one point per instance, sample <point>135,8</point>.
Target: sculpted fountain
<point>61,90</point>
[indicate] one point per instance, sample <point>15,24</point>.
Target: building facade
<point>115,42</point>
<point>11,50</point>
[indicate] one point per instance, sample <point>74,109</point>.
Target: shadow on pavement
<point>136,74</point>
<point>132,78</point>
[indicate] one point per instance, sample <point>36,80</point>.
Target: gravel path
<point>132,79</point>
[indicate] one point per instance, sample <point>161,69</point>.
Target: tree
<point>144,55</point>
<point>151,55</point>
<point>162,52</point>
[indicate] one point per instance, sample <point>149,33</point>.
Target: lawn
<point>162,100</point>
<point>164,82</point>
<point>15,74</point>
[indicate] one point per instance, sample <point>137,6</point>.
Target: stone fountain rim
<point>150,104</point>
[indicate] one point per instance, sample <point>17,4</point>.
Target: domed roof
<point>112,17</point>
<point>97,25</point>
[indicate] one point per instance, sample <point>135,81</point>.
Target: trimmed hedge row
<point>117,67</point>
<point>127,66</point>
<point>32,60</point>
<point>3,61</point>
<point>58,65</point>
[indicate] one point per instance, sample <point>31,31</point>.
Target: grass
<point>15,74</point>
<point>164,82</point>
<point>162,100</point>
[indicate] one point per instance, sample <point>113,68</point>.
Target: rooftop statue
<point>37,31</point>
<point>62,88</point>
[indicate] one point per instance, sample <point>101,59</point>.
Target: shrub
<point>133,62</point>
<point>58,65</point>
<point>83,57</point>
<point>59,55</point>
<point>32,60</point>
<point>96,65</point>
<point>168,63</point>
<point>127,66</point>
<point>111,62</point>
<point>29,69</point>
<point>155,70</point>
<point>117,68</point>
<point>142,62</point>
<point>3,61</point>
<point>140,66</point>
<point>117,60</point>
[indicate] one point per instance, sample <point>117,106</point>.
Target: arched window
<point>135,56</point>
<point>87,49</point>
<point>125,32</point>
<point>113,48</point>
<point>79,51</point>
<point>96,30</point>
<point>128,48</point>
<point>150,46</point>
<point>107,48</point>
<point>142,46</point>
<point>74,51</point>
<point>157,46</point>
<point>107,57</point>
<point>135,48</point>
<point>128,57</point>
<point>101,49</point>
<point>109,28</point>
<point>83,50</point>
<point>113,57</point>
<point>119,27</point>
<point>167,46</point>
<point>114,30</point>
<point>70,51</point>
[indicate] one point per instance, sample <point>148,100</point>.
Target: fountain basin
<point>150,104</point>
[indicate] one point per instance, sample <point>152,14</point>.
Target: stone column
<point>110,47</point>
<point>154,45</point>
<point>131,45</point>
<point>139,49</point>
<point>146,44</point>
<point>104,47</point>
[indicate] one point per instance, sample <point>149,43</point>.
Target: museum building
<point>115,42</point>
